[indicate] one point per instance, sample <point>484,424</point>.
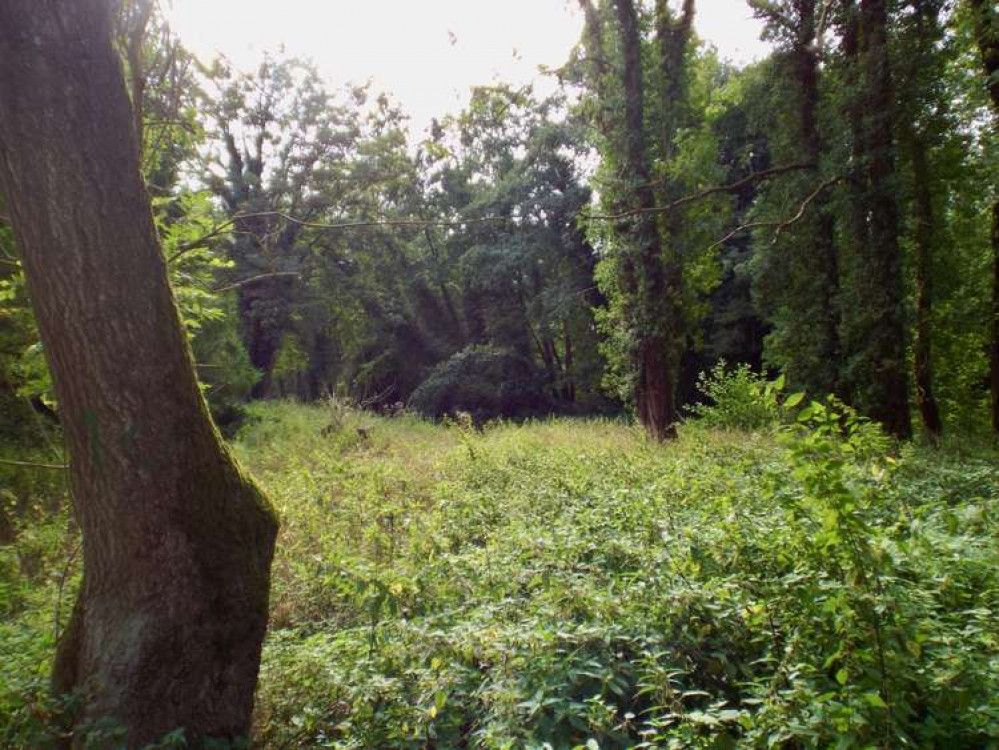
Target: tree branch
<point>31,465</point>
<point>730,188</point>
<point>409,223</point>
<point>782,225</point>
<point>253,280</point>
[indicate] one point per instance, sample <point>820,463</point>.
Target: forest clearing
<point>551,375</point>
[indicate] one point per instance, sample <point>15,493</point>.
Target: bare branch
<point>730,188</point>
<point>31,465</point>
<point>782,225</point>
<point>201,241</point>
<point>254,279</point>
<point>407,223</point>
<point>411,223</point>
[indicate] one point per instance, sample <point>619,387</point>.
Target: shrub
<point>738,398</point>
<point>483,382</point>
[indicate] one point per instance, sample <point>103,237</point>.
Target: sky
<point>426,53</point>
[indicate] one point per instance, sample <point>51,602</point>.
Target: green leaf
<point>875,700</point>
<point>794,399</point>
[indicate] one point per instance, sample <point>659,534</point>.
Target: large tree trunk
<point>652,285</point>
<point>987,32</point>
<point>890,399</point>
<point>876,325</point>
<point>167,628</point>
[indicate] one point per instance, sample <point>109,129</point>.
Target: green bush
<point>738,398</point>
<point>484,382</point>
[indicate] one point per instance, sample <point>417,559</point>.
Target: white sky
<point>426,53</point>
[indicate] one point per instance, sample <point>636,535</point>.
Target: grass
<point>567,583</point>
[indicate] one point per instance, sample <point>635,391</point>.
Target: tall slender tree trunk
<point>929,412</point>
<point>177,541</point>
<point>824,278</point>
<point>994,346</point>
<point>570,377</point>
<point>890,402</point>
<point>987,32</point>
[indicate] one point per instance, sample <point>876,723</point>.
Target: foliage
<point>486,383</point>
<point>784,576</point>
<point>569,581</point>
<point>740,399</point>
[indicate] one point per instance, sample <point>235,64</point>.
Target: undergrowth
<point>568,584</point>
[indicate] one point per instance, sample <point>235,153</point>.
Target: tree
<point>987,35</point>
<point>527,281</point>
<point>285,143</point>
<point>875,332</point>
<point>177,541</point>
<point>649,274</point>
<point>923,125</point>
<point>801,271</point>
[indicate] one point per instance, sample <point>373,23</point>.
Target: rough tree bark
<point>987,33</point>
<point>877,332</point>
<point>890,402</point>
<point>651,284</point>
<point>167,628</point>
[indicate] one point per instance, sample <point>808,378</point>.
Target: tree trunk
<point>876,326</point>
<point>929,412</point>
<point>824,276</point>
<point>654,316</point>
<point>994,347</point>
<point>987,33</point>
<point>264,315</point>
<point>167,629</point>
<point>570,378</point>
<point>890,402</point>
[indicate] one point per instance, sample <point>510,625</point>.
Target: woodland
<point>660,410</point>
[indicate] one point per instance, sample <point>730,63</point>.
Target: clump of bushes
<point>484,382</point>
<point>739,399</point>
